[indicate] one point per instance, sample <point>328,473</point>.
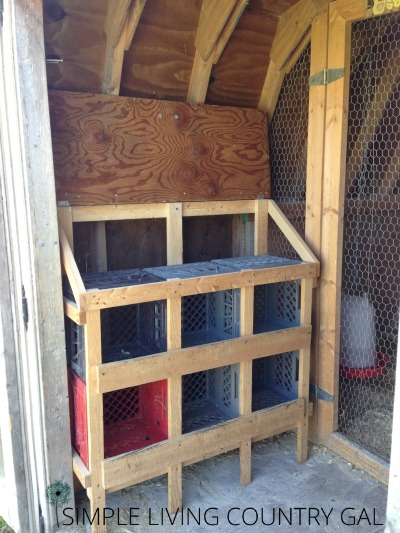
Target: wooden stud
<point>199,80</point>
<point>213,18</point>
<point>271,89</point>
<point>71,311</point>
<point>332,219</point>
<point>228,29</point>
<point>122,374</point>
<point>304,371</point>
<point>232,207</point>
<point>92,213</point>
<point>134,15</point>
<point>174,340</point>
<point>261,227</point>
<point>174,234</point>
<point>65,221</point>
<point>292,27</point>
<point>99,246</point>
<point>246,379</point>
<point>113,63</point>
<point>305,41</point>
<point>95,426</point>
<point>117,13</point>
<point>80,470</point>
<point>122,471</point>
<point>315,174</point>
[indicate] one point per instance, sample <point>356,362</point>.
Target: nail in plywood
<point>163,151</point>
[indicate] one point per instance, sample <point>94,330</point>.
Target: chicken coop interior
<point>228,200</point>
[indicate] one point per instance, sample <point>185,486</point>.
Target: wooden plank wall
<point>115,150</point>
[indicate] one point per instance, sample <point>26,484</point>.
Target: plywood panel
<point>110,150</point>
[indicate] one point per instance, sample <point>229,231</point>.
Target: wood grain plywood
<point>238,77</point>
<point>74,32</point>
<point>160,60</point>
<point>115,150</point>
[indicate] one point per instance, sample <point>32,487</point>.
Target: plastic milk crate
<point>133,418</point>
<point>209,396</point>
<point>127,331</point>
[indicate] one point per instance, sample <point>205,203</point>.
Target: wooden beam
<point>228,29</point>
<point>246,379</point>
<point>134,15</point>
<point>95,425</point>
<point>213,18</point>
<point>154,461</point>
<point>337,99</point>
<point>271,89</point>
<point>113,62</point>
<point>80,470</point>
<point>261,227</point>
<point>71,268</point>
<point>315,177</point>
<point>117,13</point>
<point>292,27</point>
<point>65,221</point>
<point>71,310</point>
<point>99,246</point>
<point>123,374</point>
<point>290,233</point>
<point>100,299</point>
<point>174,234</point>
<point>199,79</point>
<point>305,41</point>
<point>356,9</point>
<point>359,457</point>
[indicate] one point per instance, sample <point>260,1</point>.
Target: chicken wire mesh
<point>371,261</point>
<point>288,135</point>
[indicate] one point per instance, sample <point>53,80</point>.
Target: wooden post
<point>174,234</point>
<point>315,174</point>
<point>174,321</point>
<point>95,422</point>
<point>246,379</point>
<point>337,98</point>
<point>304,371</point>
<point>28,196</point>
<point>261,227</point>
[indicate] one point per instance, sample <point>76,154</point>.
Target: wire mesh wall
<point>288,137</point>
<point>371,260</point>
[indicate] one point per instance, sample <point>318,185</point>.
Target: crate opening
<point>276,306</point>
<point>275,380</point>
<point>210,397</point>
<point>134,417</point>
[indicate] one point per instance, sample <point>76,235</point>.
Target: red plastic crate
<point>133,418</point>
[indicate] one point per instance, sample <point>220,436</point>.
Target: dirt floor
<point>325,494</point>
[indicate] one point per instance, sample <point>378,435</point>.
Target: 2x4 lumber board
<point>94,402</point>
<point>174,336</point>
<point>71,311</point>
<point>359,457</point>
<point>174,234</point>
<point>80,470</point>
<point>71,269</point>
<point>122,150</point>
<point>305,41</point>
<point>290,233</point>
<point>337,99</point>
<point>213,17</point>
<point>117,13</point>
<point>135,12</point>
<point>292,27</point>
<point>113,63</point>
<point>155,460</point>
<point>101,299</point>
<point>315,176</point>
<point>232,207</point>
<point>199,79</point>
<point>91,213</point>
<point>261,227</point>
<point>271,89</point>
<point>134,372</point>
<point>99,246</point>
<point>246,379</point>
<point>228,29</point>
<point>304,370</point>
<point>65,221</point>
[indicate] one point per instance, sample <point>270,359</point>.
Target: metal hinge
<point>320,394</point>
<point>25,314</point>
<point>326,76</point>
<point>62,203</point>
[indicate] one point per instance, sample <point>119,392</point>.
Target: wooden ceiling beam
<point>121,22</point>
<point>218,19</point>
<point>213,18</point>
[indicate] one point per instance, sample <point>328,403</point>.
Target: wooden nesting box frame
<point>108,475</point>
